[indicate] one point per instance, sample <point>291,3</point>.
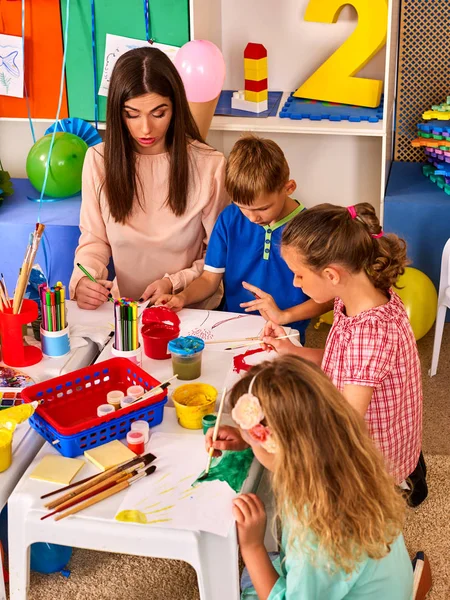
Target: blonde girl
<point>341,513</point>
<point>370,354</point>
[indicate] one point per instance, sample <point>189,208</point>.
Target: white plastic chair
<point>443,304</point>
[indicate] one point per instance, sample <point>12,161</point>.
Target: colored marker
<point>89,276</point>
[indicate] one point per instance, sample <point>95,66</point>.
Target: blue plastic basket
<point>67,417</point>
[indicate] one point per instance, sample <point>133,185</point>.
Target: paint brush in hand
<point>106,493</point>
<point>256,343</point>
<point>214,437</point>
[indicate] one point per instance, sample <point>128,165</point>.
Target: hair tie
<point>352,211</point>
<point>377,235</point>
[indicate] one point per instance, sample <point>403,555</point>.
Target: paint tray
<point>67,416</point>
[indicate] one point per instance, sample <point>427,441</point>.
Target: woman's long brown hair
<point>138,72</point>
<point>331,485</point>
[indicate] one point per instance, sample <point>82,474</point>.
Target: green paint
<point>169,21</point>
<point>232,467</point>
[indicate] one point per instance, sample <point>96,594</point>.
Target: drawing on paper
<point>11,66</point>
<point>116,45</point>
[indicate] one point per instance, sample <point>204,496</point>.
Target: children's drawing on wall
<point>116,45</point>
<point>11,66</point>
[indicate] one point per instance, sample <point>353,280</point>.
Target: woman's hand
<point>175,302</point>
<point>250,515</point>
<point>90,295</point>
<point>272,331</point>
<point>228,438</point>
<point>264,303</point>
<point>156,289</point>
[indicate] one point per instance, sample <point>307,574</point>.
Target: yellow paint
<point>131,516</point>
<point>160,510</point>
<point>166,491</point>
<point>6,436</point>
<point>192,402</point>
<point>163,477</point>
<point>334,80</point>
<point>256,96</point>
<point>188,477</point>
<point>152,505</point>
<point>436,114</point>
<point>19,414</point>
<point>158,521</point>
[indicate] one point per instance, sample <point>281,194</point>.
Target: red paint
<point>239,363</point>
<point>135,442</point>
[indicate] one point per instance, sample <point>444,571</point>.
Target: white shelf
<point>305,126</point>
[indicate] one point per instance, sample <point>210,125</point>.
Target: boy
<point>244,244</point>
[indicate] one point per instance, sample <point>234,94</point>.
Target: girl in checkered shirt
<point>370,354</point>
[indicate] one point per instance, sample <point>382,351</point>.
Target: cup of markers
<point>126,340</point>
<point>54,329</point>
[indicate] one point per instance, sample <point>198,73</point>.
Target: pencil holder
<point>55,343</point>
<point>134,355</point>
<point>14,351</point>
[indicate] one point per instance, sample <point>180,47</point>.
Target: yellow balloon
<point>420,298</point>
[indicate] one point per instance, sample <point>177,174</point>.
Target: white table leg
<point>18,552</point>
<point>219,576</point>
<point>2,581</point>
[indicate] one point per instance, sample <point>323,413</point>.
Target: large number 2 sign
<point>334,81</point>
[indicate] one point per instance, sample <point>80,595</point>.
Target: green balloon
<point>66,164</point>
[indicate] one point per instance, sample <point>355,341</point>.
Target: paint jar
<point>55,343</point>
<point>127,401</point>
<point>192,402</point>
<point>6,436</point>
<point>208,421</point>
<point>136,391</point>
<point>136,442</point>
<point>105,409</point>
<point>143,427</point>
<point>187,357</point>
<point>134,355</point>
<point>160,325</point>
<point>14,351</point>
<point>114,398</point>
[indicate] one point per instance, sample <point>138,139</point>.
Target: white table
<point>215,558</point>
<point>26,441</point>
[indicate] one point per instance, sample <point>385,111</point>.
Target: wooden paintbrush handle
<point>81,488</point>
<point>98,498</point>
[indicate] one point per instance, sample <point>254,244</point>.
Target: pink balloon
<point>202,69</point>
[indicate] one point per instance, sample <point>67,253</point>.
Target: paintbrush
<point>214,437</point>
<point>90,481</point>
<point>27,265</point>
<point>6,299</point>
<point>100,487</point>
<point>255,343</point>
<point>231,341</point>
<point>155,391</point>
<point>106,493</point>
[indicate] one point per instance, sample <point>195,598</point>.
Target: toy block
<point>238,102</point>
<point>255,51</point>
<point>255,69</point>
<point>435,114</point>
<point>256,86</point>
<point>256,96</point>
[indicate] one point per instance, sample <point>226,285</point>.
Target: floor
<point>104,576</point>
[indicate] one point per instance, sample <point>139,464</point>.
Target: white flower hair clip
<point>248,414</point>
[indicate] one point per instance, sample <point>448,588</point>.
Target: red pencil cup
<point>14,351</point>
<point>160,325</point>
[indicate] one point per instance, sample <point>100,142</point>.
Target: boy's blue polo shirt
<point>244,251</point>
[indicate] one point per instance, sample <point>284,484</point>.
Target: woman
<point>151,192</point>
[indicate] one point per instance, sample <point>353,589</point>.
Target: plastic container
<point>14,351</point>
<point>208,421</point>
<point>136,442</point>
<point>127,401</point>
<point>55,343</point>
<point>105,409</point>
<point>134,355</point>
<point>192,402</point>
<point>142,427</point>
<point>114,398</point>
<point>187,357</point>
<point>67,417</point>
<point>160,326</point>
<point>135,391</point>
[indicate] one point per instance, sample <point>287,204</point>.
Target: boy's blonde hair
<point>255,166</point>
<point>331,486</point>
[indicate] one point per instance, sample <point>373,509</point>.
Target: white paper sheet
<point>166,498</point>
<point>11,66</point>
<point>116,45</point>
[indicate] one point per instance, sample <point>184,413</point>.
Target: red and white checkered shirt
<point>377,349</point>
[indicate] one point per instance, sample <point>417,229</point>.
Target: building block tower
<point>255,96</point>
